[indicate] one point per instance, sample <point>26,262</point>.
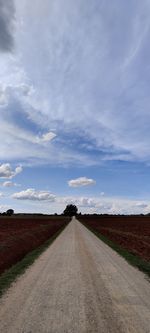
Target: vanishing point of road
<point>78,285</point>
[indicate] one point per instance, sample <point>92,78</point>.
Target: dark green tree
<point>70,210</point>
<point>10,212</point>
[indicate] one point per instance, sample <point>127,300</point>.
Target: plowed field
<point>130,232</point>
<point>23,233</point>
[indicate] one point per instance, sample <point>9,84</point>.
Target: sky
<point>75,105</point>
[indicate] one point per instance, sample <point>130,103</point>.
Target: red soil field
<point>20,234</point>
<point>130,232</point>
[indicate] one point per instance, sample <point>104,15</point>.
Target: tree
<point>70,210</point>
<point>10,212</point>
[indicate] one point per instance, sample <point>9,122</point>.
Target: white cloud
<point>106,205</point>
<point>8,184</point>
<point>49,136</point>
<point>81,181</point>
<point>32,194</point>
<point>6,171</point>
<point>39,201</point>
<point>18,170</point>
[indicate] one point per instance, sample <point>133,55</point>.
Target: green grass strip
<point>131,258</point>
<point>16,270</point>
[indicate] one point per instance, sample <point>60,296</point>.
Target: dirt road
<point>78,285</point>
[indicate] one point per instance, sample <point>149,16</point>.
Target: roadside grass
<point>16,270</point>
<point>131,258</point>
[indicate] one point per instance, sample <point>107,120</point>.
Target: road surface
<point>78,285</point>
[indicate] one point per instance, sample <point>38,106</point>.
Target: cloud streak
<point>92,63</point>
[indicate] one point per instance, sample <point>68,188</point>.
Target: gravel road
<point>78,285</point>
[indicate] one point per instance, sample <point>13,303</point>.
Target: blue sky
<point>74,105</point>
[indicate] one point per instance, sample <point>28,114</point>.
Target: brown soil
<point>23,233</point>
<point>130,232</point>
